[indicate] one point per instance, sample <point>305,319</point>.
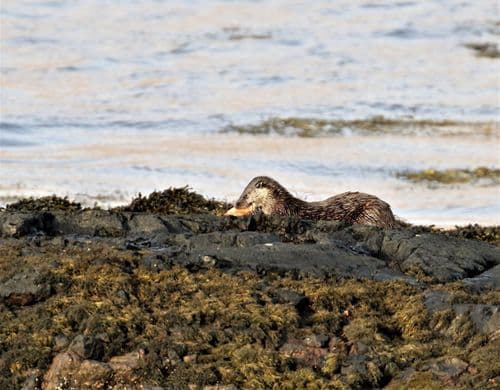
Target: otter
<point>266,194</point>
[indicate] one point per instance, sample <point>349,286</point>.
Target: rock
<point>489,280</point>
<point>125,365</point>
<point>316,340</point>
<point>24,289</point>
<point>361,372</point>
<point>87,347</point>
<point>145,225</point>
<point>188,359</point>
<point>299,301</point>
<point>33,380</point>
<point>442,258</point>
<point>286,257</point>
<point>179,314</point>
<point>20,224</point>
<point>60,370</point>
<point>60,342</point>
<point>358,348</point>
<point>69,370</point>
<point>97,223</point>
<point>437,300</point>
<point>155,263</point>
<point>307,356</point>
<point>92,375</point>
<point>272,244</point>
<point>486,318</point>
<point>448,369</point>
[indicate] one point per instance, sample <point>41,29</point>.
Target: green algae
<point>315,127</point>
<point>209,327</point>
<point>175,201</point>
<point>454,176</point>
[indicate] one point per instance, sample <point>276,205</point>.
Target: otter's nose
<point>238,212</point>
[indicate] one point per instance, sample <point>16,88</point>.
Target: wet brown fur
<point>352,207</point>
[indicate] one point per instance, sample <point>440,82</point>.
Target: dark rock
<point>448,369</point>
<point>21,224</point>
<point>316,340</point>
<point>87,347</point>
<point>97,223</point>
<point>299,301</point>
<point>155,263</point>
<point>213,240</point>
<point>211,261</point>
<point>486,318</point>
<point>33,380</point>
<point>358,348</point>
<point>172,358</point>
<point>361,372</point>
<point>489,280</point>
<point>145,225</point>
<point>147,228</point>
<point>441,258</point>
<point>437,300</point>
<point>312,259</point>
<point>60,342</point>
<point>246,239</point>
<point>304,355</point>
<point>122,298</point>
<point>178,225</point>
<point>273,244</point>
<point>24,288</point>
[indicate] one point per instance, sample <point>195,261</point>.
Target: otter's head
<point>262,193</point>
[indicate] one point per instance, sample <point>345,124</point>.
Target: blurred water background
<point>101,100</point>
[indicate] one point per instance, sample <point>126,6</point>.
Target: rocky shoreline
<point>165,293</point>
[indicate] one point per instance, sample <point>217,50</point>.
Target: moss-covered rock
<point>125,323</point>
<point>122,298</point>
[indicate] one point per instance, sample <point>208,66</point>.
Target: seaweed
<point>452,176</point>
<point>477,232</point>
<point>486,49</point>
<point>209,327</point>
<point>318,127</point>
<point>47,203</point>
<point>175,201</point>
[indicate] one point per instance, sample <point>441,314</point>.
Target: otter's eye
<point>259,184</point>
